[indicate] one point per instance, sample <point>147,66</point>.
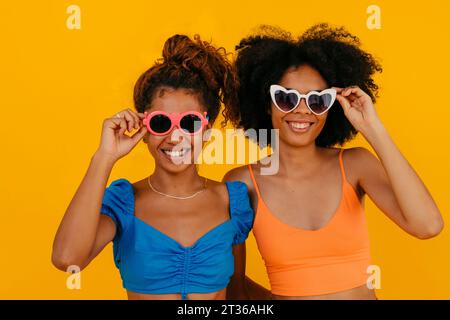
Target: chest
<point>185,221</point>
<point>308,203</point>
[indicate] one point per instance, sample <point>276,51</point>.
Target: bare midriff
<point>358,293</point>
<point>218,295</point>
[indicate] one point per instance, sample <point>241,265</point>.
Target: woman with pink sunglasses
<point>318,92</point>
<point>173,232</point>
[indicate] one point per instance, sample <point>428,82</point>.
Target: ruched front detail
<point>152,262</point>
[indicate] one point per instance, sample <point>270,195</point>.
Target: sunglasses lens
<point>160,123</point>
<point>319,104</point>
<point>285,101</point>
<point>191,123</point>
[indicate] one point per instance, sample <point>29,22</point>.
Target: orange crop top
<point>303,262</point>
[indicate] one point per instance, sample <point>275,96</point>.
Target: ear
<point>145,138</point>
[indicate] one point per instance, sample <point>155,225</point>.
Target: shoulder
<point>243,173</point>
<point>118,204</point>
<point>119,196</point>
<point>358,152</point>
<point>359,158</point>
<point>228,190</point>
<point>236,188</point>
<point>238,174</point>
<point>233,192</point>
<point>359,162</point>
<point>218,189</point>
<point>120,185</point>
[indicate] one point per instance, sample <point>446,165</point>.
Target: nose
<point>176,136</point>
<point>302,107</point>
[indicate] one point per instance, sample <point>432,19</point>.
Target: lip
<point>298,120</point>
<point>174,159</point>
<point>299,130</point>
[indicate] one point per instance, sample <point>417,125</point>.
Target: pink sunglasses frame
<point>175,119</point>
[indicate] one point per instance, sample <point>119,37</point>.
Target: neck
<point>294,157</point>
<point>180,183</point>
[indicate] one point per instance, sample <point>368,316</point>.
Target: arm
<point>241,286</point>
<point>236,289</point>
<point>391,182</point>
<point>257,291</point>
<point>83,231</point>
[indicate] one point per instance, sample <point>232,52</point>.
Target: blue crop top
<point>151,262</point>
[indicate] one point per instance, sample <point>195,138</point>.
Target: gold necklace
<point>176,197</point>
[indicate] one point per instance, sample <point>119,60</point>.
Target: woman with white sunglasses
<point>310,227</point>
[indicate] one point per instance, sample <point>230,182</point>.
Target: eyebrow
<point>318,90</point>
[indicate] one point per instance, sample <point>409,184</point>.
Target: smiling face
<point>174,148</point>
<point>300,127</point>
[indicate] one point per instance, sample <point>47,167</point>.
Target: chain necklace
<point>176,197</point>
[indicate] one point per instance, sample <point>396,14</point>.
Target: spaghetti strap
<point>254,181</point>
<point>341,163</point>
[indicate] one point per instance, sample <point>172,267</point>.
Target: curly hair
<point>195,65</point>
<point>264,57</point>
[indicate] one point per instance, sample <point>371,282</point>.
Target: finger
<point>361,96</point>
<point>343,102</point>
<point>123,126</point>
<point>129,119</point>
<point>352,98</point>
<point>357,91</point>
<point>141,118</point>
<point>119,123</point>
<point>127,114</point>
<point>116,122</point>
<point>135,117</point>
<point>356,102</point>
<point>338,90</point>
<point>346,92</point>
<point>139,134</point>
<point>356,105</point>
<point>118,115</point>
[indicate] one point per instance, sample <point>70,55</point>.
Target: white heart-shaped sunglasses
<point>287,100</point>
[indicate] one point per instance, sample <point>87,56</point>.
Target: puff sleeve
<point>118,204</point>
<point>240,210</point>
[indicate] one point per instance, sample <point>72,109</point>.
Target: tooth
<point>174,153</point>
<point>300,125</point>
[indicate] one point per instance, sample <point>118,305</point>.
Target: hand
<point>114,143</point>
<point>358,108</point>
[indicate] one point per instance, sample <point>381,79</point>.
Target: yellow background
<point>57,85</point>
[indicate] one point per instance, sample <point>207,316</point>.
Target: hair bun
<point>195,64</point>
<point>183,51</point>
<point>177,47</point>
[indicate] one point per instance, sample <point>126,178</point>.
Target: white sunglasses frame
<point>276,87</point>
